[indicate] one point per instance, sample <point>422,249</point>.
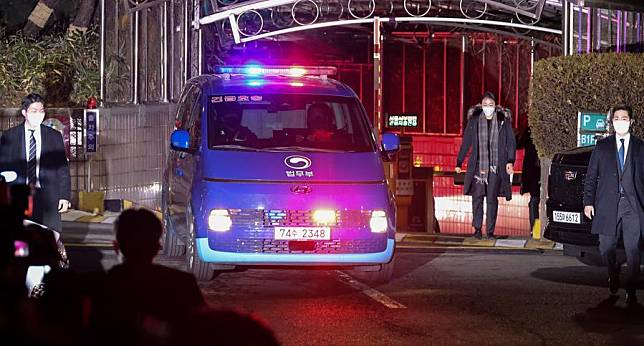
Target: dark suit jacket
<point>507,149</point>
<point>601,186</point>
<point>531,170</point>
<point>54,175</point>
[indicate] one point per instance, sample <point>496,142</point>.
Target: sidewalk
<point>420,240</point>
<point>84,229</point>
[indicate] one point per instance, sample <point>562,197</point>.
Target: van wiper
<point>317,150</point>
<point>234,147</point>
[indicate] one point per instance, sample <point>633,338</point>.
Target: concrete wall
<point>134,142</point>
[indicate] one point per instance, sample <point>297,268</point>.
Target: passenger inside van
<point>231,127</point>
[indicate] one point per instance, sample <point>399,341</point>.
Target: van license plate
<point>302,233</point>
<point>566,217</point>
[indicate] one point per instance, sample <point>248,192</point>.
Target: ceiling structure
<point>248,21</point>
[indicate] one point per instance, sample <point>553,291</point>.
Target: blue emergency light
<point>275,70</point>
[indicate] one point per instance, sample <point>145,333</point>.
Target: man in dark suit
<point>37,154</point>
<point>530,175</point>
<point>491,162</point>
<point>613,187</point>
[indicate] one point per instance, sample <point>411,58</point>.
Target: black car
<point>567,223</point>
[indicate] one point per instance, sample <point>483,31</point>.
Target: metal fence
<point>146,51</point>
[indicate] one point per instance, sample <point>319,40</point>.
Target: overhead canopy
<point>626,5</point>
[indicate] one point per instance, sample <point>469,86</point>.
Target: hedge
<point>562,86</point>
<point>65,70</point>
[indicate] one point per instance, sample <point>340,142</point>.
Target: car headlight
<point>378,222</point>
<point>219,220</point>
<point>324,217</point>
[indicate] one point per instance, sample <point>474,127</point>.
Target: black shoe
<point>631,298</point>
<point>477,234</point>
<point>613,284</point>
<point>491,237</point>
<point>613,281</point>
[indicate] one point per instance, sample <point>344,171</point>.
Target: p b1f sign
<point>91,121</point>
<point>590,126</point>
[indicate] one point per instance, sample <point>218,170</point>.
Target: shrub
<point>64,69</point>
<point>562,86</point>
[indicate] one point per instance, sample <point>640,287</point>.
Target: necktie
<point>31,163</point>
<point>621,155</point>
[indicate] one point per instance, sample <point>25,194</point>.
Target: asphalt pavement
<point>440,296</point>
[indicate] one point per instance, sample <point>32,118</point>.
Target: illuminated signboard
<point>402,120</point>
<point>590,127</point>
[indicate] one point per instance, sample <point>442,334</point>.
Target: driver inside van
<point>231,127</point>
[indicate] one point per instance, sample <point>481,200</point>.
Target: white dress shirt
<point>38,150</point>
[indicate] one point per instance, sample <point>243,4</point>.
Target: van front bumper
<point>209,255</point>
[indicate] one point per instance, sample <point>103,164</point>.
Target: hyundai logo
<point>301,189</point>
<point>297,162</point>
<point>570,175</point>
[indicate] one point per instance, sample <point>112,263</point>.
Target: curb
<point>108,217</point>
<point>424,240</point>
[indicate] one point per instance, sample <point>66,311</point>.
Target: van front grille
<point>354,219</point>
<point>253,231</point>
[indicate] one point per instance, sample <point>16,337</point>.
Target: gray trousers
<point>490,192</point>
<point>628,227</point>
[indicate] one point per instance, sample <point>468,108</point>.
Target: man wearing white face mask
<point>491,162</point>
<point>37,154</point>
<point>613,191</point>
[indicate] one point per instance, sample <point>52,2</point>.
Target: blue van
<point>274,166</point>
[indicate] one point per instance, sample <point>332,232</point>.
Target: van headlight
<point>219,220</point>
<point>378,222</point>
<point>324,217</point>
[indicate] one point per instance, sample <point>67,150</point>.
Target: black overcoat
<point>507,149</point>
<point>601,185</point>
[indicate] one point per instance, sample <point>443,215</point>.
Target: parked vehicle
<point>567,223</point>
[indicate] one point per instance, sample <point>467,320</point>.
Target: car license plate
<point>302,233</point>
<point>566,217</point>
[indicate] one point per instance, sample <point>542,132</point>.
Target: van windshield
<point>288,123</point>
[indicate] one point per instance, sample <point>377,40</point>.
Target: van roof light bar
<point>276,70</point>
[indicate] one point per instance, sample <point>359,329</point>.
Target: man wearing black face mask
<point>37,154</point>
<point>231,127</point>
<point>491,163</point>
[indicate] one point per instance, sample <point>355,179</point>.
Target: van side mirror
<point>180,141</point>
<point>390,143</point>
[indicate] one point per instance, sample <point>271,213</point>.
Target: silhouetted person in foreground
<point>140,302</point>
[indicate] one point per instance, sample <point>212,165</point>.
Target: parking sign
<point>590,127</point>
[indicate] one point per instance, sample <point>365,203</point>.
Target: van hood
<point>224,165</point>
